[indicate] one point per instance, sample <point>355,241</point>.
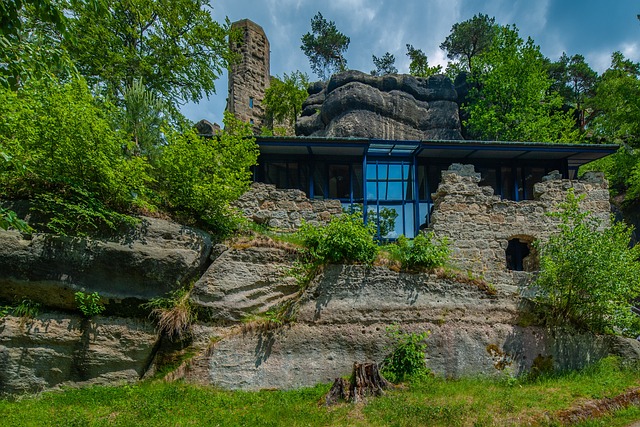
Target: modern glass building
<point>395,179</point>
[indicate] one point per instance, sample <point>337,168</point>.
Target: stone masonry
<point>284,209</point>
<point>479,224</point>
<point>249,76</point>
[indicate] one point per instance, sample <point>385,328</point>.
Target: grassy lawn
<point>430,402</point>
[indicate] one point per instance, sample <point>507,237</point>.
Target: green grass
<point>433,402</point>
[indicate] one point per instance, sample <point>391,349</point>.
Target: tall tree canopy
<point>175,47</point>
<point>511,100</point>
<point>575,81</point>
<point>470,38</point>
<point>419,65</point>
<point>384,65</point>
<point>325,47</point>
<point>284,97</point>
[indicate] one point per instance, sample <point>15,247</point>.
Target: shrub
<point>422,251</point>
<point>174,314</point>
<point>587,275</point>
<point>407,357</point>
<point>27,309</point>
<point>89,304</point>
<point>345,239</point>
<point>198,176</point>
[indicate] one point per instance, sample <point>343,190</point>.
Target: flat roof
<point>575,154</point>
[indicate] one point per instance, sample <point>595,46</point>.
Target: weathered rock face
<point>241,282</point>
<point>37,354</point>
<point>343,317</point>
<point>149,262</point>
<point>479,225</point>
<point>284,209</point>
<point>403,107</point>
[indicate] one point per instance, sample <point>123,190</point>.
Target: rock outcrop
<point>342,318</point>
<point>402,107</point>
<point>245,281</point>
<point>156,257</point>
<point>55,349</point>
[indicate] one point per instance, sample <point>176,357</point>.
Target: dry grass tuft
<point>175,321</point>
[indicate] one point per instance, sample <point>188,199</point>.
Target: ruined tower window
<point>251,102</point>
<point>521,255</point>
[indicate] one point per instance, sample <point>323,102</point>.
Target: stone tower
<point>249,77</point>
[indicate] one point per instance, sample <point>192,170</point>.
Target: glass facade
<point>394,191</point>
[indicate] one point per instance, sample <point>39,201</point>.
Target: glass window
<point>532,175</point>
<point>319,179</point>
<point>356,182</point>
<point>250,102</point>
<point>507,184</point>
<point>488,178</point>
<point>339,182</point>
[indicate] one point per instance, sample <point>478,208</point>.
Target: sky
<point>592,28</point>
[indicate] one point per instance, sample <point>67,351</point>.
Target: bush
<point>422,251</point>
<point>198,176</point>
<point>62,152</point>
<point>587,275</point>
<point>89,304</point>
<point>407,357</point>
<point>345,239</point>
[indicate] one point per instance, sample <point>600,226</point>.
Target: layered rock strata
<point>398,107</point>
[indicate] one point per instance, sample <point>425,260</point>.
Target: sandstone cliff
<point>403,107</point>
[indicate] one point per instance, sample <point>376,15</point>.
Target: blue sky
<point>592,28</point>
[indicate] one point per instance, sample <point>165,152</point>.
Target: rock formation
<point>154,258</point>
<point>402,107</point>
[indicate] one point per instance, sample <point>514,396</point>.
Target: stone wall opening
<point>521,255</point>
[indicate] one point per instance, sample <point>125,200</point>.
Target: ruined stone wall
<point>480,224</point>
<point>284,209</point>
<point>249,77</point>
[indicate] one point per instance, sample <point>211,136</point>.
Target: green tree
<point>575,81</point>
<point>589,275</point>
<point>30,42</point>
<point>175,47</point>
<point>510,98</point>
<point>142,118</point>
<point>198,177</point>
<point>419,65</point>
<point>384,65</point>
<point>284,97</point>
<point>67,158</point>
<point>325,47</point>
<point>470,38</point>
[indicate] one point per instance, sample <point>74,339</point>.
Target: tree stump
<point>366,380</point>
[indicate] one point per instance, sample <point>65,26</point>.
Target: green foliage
<point>30,49</point>
<point>384,220</point>
<point>407,357</point>
<point>27,309</point>
<point>422,251</point>
<point>470,38</point>
<point>345,239</point>
<point>67,158</point>
<point>284,97</point>
<point>510,100</point>
<point>575,81</point>
<point>142,119</point>
<point>617,102</point>
<point>89,304</point>
<point>384,65</point>
<point>9,219</point>
<point>200,176</point>
<point>325,47</point>
<point>419,65</point>
<point>589,276</point>
<point>174,47</point>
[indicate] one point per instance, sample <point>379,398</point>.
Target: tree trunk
<point>366,380</point>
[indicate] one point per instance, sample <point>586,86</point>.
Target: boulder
<point>148,262</point>
<point>55,349</point>
<point>355,104</point>
<point>245,281</point>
